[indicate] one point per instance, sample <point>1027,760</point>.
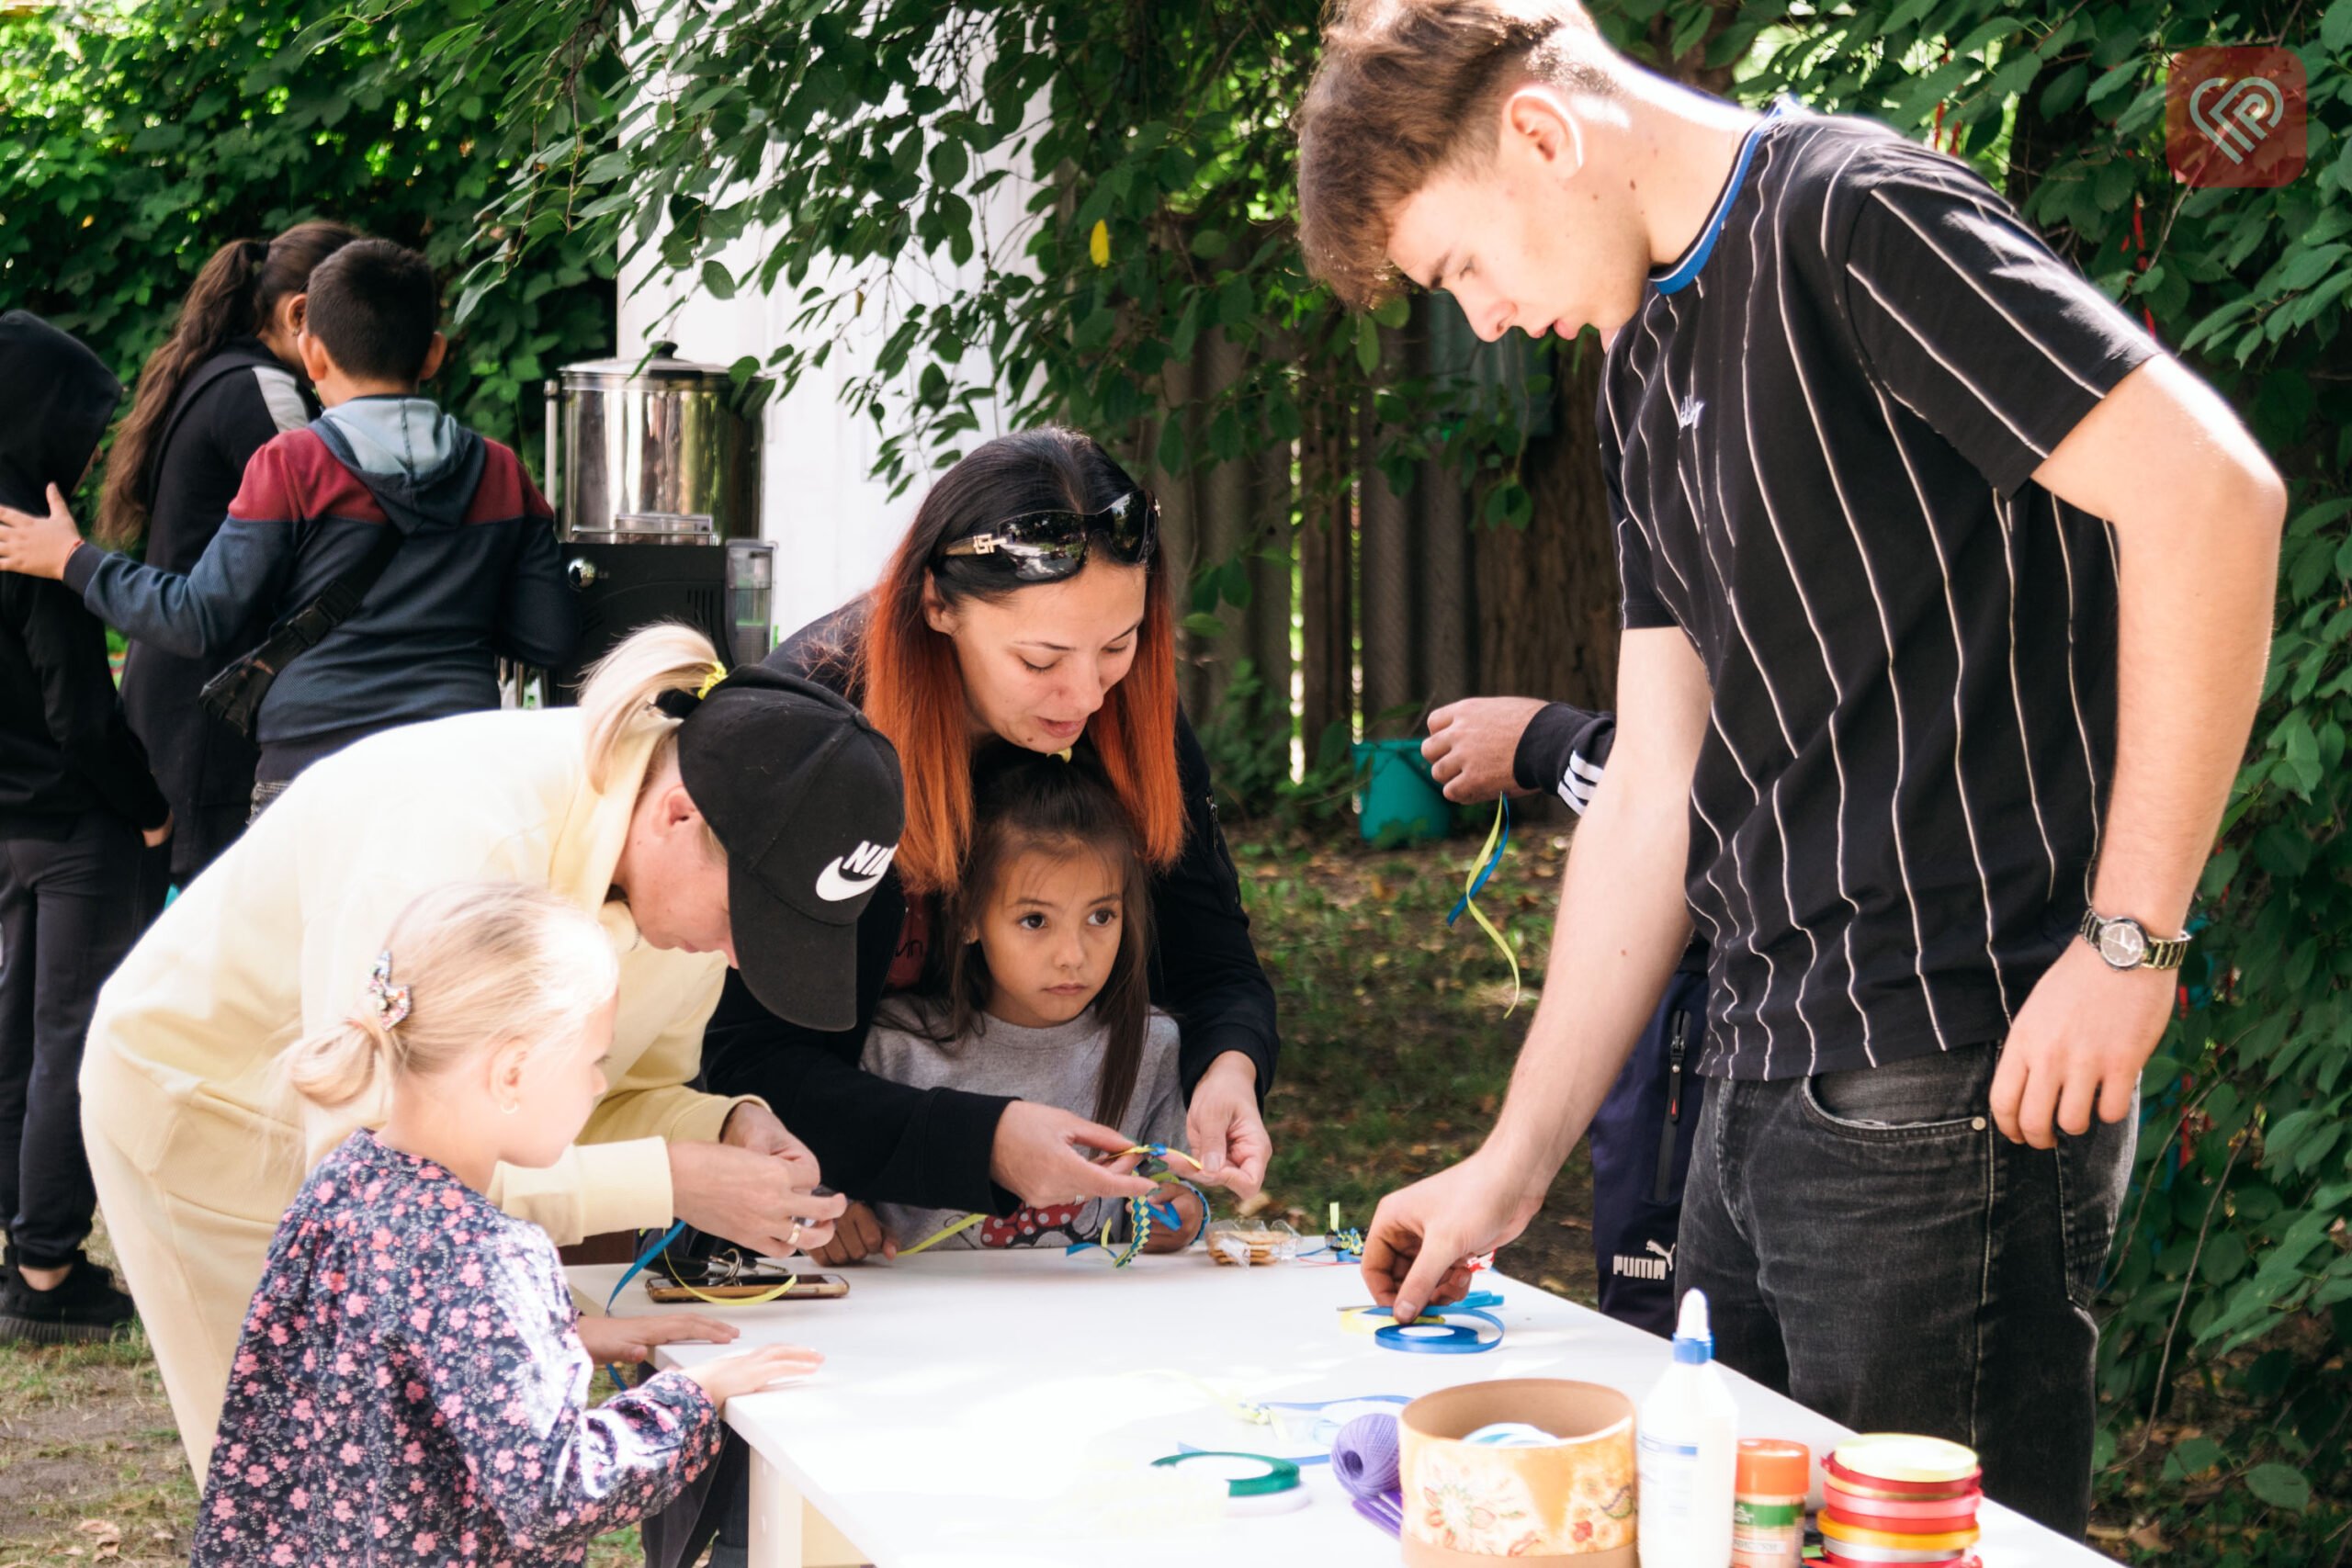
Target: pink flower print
<point>413,1454</point>
<point>421,1319</point>
<point>299,1497</point>
<point>342,1510</point>
<point>351,1452</point>
<point>284,1555</point>
<point>326,1191</point>
<point>256,1475</point>
<point>357,1306</point>
<point>302,1409</point>
<point>381,1241</point>
<point>277,1335</point>
<point>222,1508</point>
<point>504,1461</point>
<point>424,1543</point>
<point>470,1275</point>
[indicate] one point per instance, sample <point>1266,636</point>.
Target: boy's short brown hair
<point>1400,85</point>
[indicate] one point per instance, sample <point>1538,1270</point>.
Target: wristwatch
<point>2125,943</point>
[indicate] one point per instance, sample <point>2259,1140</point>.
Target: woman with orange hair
<point>1027,604</point>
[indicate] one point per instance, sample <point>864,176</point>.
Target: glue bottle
<point>1687,1440</point>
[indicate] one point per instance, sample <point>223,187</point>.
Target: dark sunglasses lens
<point>1131,525</point>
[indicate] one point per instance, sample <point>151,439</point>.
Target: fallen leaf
<point>2149,1538</point>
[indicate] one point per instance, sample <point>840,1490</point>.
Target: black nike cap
<point>806,798</point>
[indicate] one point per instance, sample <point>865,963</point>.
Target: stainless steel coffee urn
<point>653,468</point>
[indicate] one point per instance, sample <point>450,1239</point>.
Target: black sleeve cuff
<point>1545,745</point>
<point>958,1139</point>
<point>1201,1048</point>
<point>82,564</point>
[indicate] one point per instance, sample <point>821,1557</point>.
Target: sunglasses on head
<point>1046,546</point>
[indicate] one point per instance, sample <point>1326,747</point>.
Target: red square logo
<point>2234,117</point>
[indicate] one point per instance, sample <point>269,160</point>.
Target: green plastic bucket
<point>1397,802</point>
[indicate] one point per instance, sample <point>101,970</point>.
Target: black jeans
<point>1873,1247</point>
<point>70,909</point>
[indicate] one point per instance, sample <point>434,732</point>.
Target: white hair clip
<point>391,1001</point>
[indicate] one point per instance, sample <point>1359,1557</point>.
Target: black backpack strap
<point>337,603</point>
<point>226,363</point>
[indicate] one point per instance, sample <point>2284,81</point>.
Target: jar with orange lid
<point>1768,1486</point>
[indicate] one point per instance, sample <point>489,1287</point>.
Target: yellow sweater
<point>273,942</point>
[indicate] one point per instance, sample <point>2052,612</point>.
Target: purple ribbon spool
<point>1364,1457</point>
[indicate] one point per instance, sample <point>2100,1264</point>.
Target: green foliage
<point>2237,1226</point>
<point>1108,186</point>
<point>135,139</point>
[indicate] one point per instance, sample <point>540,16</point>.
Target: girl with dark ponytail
<point>225,382</point>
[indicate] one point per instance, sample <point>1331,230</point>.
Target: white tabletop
<point>972,1404</point>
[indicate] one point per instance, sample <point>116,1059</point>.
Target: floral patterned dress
<point>409,1389</point>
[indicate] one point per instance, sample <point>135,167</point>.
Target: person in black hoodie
<point>474,574</point>
<point>226,382</point>
<point>76,800</point>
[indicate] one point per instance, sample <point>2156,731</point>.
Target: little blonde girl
<point>409,1387</point>
<point>1046,997</point>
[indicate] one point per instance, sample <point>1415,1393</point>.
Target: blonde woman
<point>706,822</point>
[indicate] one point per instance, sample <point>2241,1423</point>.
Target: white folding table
<point>971,1403</point>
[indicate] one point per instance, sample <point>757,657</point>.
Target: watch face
<point>2122,943</point>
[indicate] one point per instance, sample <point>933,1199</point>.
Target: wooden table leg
<point>775,1517</point>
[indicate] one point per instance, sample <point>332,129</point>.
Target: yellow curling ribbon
<point>718,673</point>
<point>1489,857</point>
<point>935,1237</point>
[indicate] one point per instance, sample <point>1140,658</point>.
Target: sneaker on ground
<point>85,1306</point>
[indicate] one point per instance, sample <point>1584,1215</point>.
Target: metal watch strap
<point>2163,953</point>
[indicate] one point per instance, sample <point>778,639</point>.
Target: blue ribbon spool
<point>1453,1338</point>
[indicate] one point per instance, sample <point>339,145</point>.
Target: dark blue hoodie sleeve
<point>241,575</point>
<point>539,618</point>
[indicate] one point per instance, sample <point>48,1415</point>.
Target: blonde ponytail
<point>473,965</point>
<point>618,696</point>
<point>338,1066</point>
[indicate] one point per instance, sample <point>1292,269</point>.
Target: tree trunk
<point>1547,594</point>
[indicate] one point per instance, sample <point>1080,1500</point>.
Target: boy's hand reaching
<point>857,1236</point>
<point>38,547</point>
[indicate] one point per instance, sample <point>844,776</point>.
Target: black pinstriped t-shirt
<point>1821,430</point>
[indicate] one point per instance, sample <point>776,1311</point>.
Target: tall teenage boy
<point>1947,598</point>
<point>476,573</point>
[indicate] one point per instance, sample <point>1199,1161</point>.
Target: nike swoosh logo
<point>833,886</point>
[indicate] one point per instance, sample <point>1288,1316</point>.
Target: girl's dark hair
<point>914,689</point>
<point>233,297</point>
<point>1025,801</point>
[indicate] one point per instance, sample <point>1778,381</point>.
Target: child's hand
<point>749,1372</point>
<point>631,1340</point>
<point>1191,1209</point>
<point>857,1236</point>
<point>38,547</point>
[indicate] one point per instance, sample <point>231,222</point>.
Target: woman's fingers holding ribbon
<point>1223,1126</point>
<point>1046,1155</point>
<point>36,545</point>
